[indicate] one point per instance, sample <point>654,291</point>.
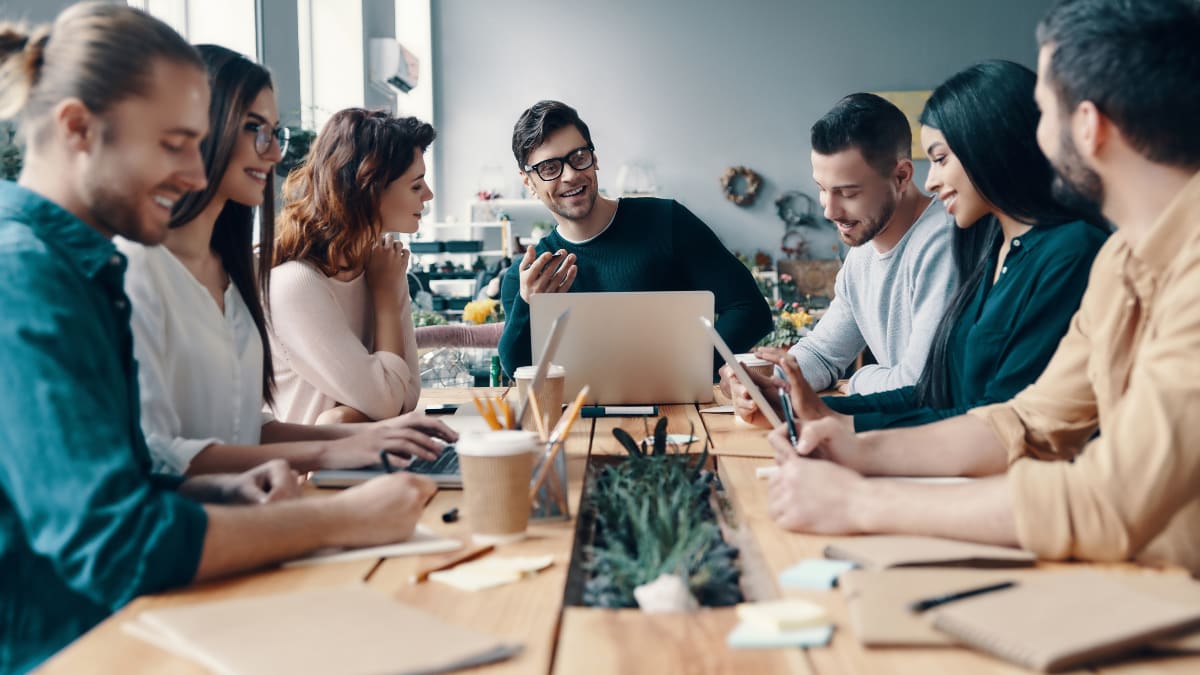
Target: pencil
<point>557,441</point>
<point>486,411</point>
<point>537,417</point>
<point>564,425</point>
<point>467,555</point>
<point>507,412</point>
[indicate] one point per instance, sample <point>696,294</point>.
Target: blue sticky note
<point>817,573</point>
<point>748,636</point>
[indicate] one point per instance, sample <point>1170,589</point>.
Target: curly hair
<point>332,215</point>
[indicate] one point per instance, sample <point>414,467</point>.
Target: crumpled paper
<point>666,594</point>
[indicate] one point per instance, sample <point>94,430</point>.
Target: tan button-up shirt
<point>1129,366</point>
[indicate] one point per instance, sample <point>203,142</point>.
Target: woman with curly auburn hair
<point>342,331</point>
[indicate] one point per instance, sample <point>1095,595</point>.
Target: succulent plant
<point>653,516</point>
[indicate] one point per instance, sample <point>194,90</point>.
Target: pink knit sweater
<point>321,340</point>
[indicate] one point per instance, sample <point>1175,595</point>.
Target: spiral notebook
<point>1064,621</point>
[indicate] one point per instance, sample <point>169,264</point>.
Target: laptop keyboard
<point>446,463</point>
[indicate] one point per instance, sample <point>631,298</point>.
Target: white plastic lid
<point>752,360</point>
<point>527,372</point>
<point>497,443</point>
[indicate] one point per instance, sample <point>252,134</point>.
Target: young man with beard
<point>603,244</point>
<point>114,105</point>
<point>1117,90</point>
<point>890,295</point>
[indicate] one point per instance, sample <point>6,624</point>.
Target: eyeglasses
<point>579,159</point>
<point>263,135</point>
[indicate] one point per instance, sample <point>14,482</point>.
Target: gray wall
<point>695,87</point>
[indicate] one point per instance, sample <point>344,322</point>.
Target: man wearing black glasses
<point>603,244</point>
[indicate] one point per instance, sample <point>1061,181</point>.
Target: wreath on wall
<point>795,209</point>
<point>740,185</point>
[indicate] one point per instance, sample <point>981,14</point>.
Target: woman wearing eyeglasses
<point>341,316</point>
<point>200,330</point>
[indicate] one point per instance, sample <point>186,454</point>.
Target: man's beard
<point>1075,186</point>
<point>872,226</point>
<point>116,213</point>
<point>578,213</point>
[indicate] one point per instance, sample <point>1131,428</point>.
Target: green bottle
<point>495,380</point>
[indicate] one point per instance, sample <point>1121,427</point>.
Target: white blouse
<point>322,344</point>
<point>199,371</point>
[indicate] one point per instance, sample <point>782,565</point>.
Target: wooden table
<point>584,640</point>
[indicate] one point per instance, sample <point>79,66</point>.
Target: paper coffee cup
<point>756,365</point>
<point>550,398</point>
<point>497,467</point>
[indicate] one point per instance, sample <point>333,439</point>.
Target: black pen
<point>788,416</point>
<point>938,600</point>
<point>618,410</point>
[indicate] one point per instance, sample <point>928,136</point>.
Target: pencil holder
<point>550,501</point>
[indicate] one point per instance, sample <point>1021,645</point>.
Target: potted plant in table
<point>652,515</point>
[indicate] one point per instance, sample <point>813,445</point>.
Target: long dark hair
<point>331,219</point>
<point>236,81</point>
<point>989,119</point>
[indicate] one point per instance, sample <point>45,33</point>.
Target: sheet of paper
<point>422,542</point>
<point>719,410</point>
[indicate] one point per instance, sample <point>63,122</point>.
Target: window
<point>229,23</point>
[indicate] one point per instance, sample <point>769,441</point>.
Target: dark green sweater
<point>651,245</point>
<point>1007,333</point>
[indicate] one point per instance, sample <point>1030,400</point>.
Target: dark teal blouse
<point>1006,334</point>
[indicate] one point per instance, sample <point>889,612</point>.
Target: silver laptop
<point>630,348</point>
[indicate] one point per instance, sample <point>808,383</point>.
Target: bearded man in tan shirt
<point>1099,459</point>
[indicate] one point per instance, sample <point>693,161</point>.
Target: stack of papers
<point>781,623</point>
<point>491,572</point>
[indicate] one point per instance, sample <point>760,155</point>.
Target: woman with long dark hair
<point>341,314</point>
<point>200,328</point>
<point>1023,258</point>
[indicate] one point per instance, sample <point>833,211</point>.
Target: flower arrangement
<point>487,310</point>
<point>791,322</point>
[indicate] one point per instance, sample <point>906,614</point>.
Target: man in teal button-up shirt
<point>82,530</point>
<point>115,105</point>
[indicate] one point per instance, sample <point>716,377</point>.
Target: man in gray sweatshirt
<point>891,294</point>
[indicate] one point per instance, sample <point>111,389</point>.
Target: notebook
<point>346,630</point>
<point>630,348</point>
<point>877,603</point>
<point>1064,621</point>
<point>883,551</point>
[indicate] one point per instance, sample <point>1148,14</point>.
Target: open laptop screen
<point>630,348</point>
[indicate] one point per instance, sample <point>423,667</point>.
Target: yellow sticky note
<point>782,615</point>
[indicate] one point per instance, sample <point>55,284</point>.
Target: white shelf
<point>485,231</point>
